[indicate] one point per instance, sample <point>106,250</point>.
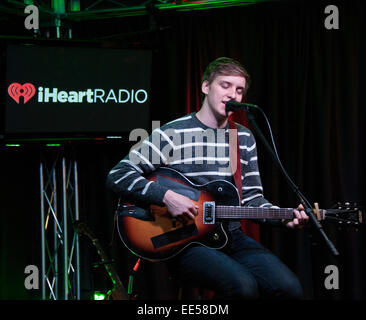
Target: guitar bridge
<point>209,212</point>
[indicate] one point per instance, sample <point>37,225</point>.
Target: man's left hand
<point>300,219</point>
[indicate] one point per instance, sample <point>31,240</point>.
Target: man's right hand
<point>180,206</point>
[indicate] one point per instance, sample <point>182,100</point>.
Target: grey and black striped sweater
<point>195,150</point>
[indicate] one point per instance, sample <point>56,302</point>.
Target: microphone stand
<point>308,208</point>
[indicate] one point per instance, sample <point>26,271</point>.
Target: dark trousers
<point>244,269</point>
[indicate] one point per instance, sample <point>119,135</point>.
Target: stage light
<point>58,6</point>
<point>98,295</point>
<point>74,5</point>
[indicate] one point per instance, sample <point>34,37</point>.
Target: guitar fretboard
<point>237,212</point>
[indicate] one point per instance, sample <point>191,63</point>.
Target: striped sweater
<point>195,150</point>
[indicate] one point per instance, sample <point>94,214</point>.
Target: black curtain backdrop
<point>307,79</point>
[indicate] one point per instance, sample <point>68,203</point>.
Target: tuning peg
<point>316,211</point>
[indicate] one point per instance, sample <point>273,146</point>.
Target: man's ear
<point>205,87</point>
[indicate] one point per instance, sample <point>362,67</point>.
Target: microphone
<point>233,105</point>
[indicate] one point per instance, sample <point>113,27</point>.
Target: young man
<point>197,145</point>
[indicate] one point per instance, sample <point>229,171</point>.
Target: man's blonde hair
<point>224,66</point>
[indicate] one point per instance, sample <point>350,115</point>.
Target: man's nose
<point>232,94</point>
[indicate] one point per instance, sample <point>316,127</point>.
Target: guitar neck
<point>83,229</point>
<point>237,212</point>
<point>110,269</point>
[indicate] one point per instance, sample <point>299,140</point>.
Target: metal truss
<point>57,17</point>
<point>78,10</point>
<point>60,254</point>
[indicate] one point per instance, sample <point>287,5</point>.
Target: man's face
<point>221,90</point>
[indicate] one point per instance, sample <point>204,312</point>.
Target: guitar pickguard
<point>183,189</point>
<point>175,235</point>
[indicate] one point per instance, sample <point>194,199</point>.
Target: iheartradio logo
<point>54,95</point>
<point>17,90</point>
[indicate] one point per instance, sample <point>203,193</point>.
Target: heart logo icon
<point>17,90</point>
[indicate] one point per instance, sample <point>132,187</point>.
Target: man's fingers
<point>301,215</point>
<point>180,207</point>
<point>193,211</point>
<point>190,215</point>
<point>297,214</point>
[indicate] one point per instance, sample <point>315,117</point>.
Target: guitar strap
<point>235,156</point>
<point>250,228</point>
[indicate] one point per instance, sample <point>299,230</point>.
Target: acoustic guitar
<point>150,233</point>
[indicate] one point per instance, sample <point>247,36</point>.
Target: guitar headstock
<point>82,229</point>
<point>343,213</point>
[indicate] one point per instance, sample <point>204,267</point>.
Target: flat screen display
<point>53,89</point>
